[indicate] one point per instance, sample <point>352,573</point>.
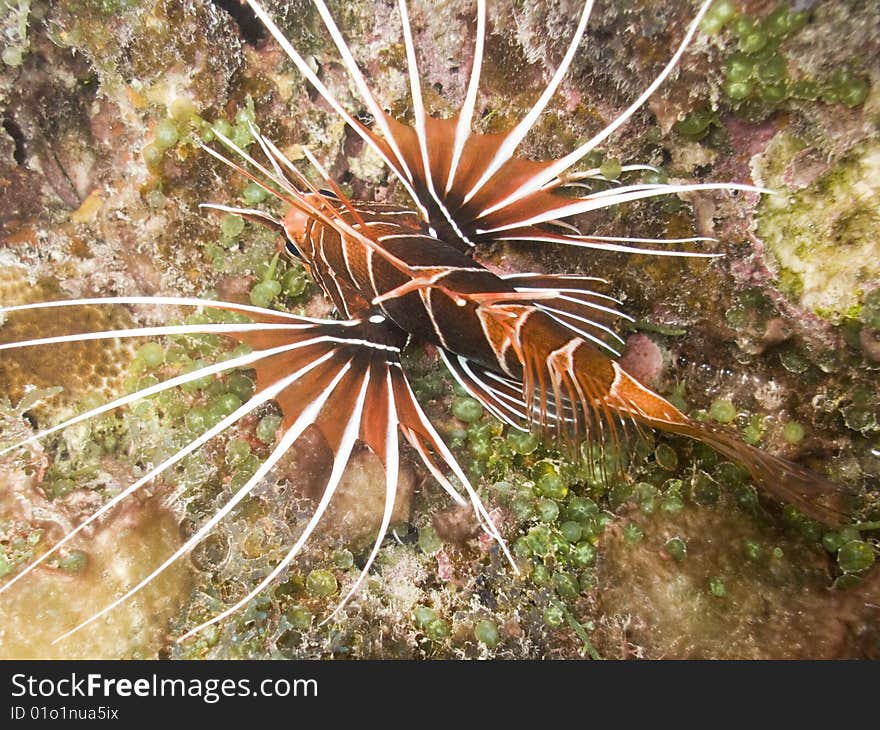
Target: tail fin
<point>812,494</point>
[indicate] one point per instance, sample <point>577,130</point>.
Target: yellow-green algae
<point>822,237</point>
<point>89,574</point>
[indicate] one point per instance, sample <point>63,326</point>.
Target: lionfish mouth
<point>344,377</point>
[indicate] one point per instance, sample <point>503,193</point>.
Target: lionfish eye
<point>328,193</point>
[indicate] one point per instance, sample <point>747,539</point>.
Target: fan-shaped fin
<point>464,184</point>
<point>342,377</point>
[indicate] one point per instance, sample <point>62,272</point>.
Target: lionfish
<point>530,347</point>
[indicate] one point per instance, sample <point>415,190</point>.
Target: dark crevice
<point>365,118</point>
<point>14,131</point>
<point>249,26</point>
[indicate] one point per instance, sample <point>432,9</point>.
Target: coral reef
<point>102,102</point>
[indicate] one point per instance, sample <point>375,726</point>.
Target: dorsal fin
<point>465,184</point>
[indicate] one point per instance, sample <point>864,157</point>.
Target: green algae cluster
<point>758,74</point>
<point>13,25</point>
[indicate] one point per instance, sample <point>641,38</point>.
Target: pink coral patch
<point>642,359</point>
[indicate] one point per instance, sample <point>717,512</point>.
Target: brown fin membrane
<point>478,151</point>
<point>560,368</point>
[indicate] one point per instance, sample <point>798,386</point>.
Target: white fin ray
<point>560,315</point>
<point>415,90</point>
<point>544,290</point>
<point>564,163</point>
<point>601,200</point>
<point>236,362</point>
<point>251,214</point>
<point>326,214</point>
<point>496,401</point>
<point>495,406</point>
<point>274,155</point>
<point>466,113</point>
<point>618,190</point>
<point>518,133</point>
<point>169,330</point>
<point>582,332</point>
<point>593,305</point>
<point>288,193</point>
<point>170,301</point>
<point>396,167</point>
<point>419,445</point>
<point>252,404</point>
<point>392,472</point>
<point>359,81</point>
<point>601,243</point>
<point>340,461</point>
<point>255,133</point>
<point>337,222</point>
<point>570,277</point>
<point>572,178</point>
<point>626,239</point>
<point>518,398</point>
<point>419,116</point>
<point>276,177</point>
<point>305,419</point>
<point>565,225</point>
<point>443,450</point>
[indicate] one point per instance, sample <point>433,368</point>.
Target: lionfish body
<point>529,347</point>
<point>532,348</point>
